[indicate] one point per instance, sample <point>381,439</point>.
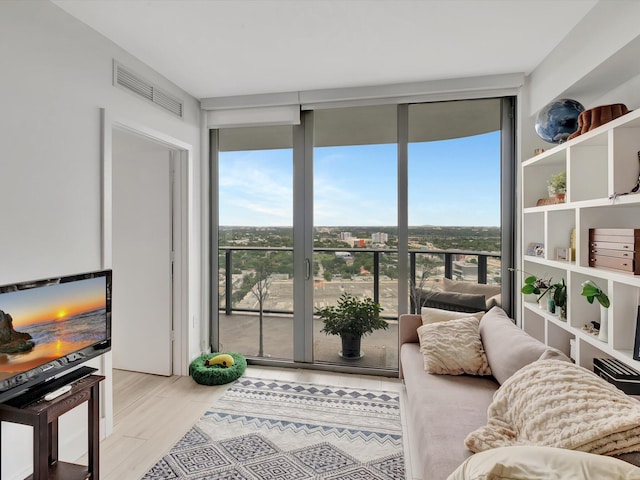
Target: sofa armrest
<point>407,333</point>
<point>408,328</point>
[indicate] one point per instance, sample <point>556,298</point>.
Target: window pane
<point>355,219</point>
<point>256,241</point>
<point>454,193</point>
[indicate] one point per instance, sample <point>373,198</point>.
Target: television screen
<point>49,326</point>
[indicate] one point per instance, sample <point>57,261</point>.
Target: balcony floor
<point>239,332</point>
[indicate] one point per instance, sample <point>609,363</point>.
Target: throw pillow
<point>508,347</point>
<point>542,463</point>
<point>459,286</point>
<point>434,315</point>
<point>453,347</point>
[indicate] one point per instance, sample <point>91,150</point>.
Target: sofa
<point>441,410</point>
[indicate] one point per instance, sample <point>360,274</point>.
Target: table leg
<point>40,449</point>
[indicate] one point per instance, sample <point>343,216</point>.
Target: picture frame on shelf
<point>536,249</point>
<point>563,254</point>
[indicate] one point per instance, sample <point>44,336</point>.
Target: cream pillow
<point>434,315</point>
<point>542,463</point>
<point>453,347</point>
<point>459,286</point>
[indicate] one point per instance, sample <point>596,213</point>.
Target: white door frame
<point>182,154</point>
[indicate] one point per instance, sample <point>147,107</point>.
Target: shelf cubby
<point>598,163</point>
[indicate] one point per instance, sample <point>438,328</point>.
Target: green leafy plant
<point>352,316</point>
<point>533,285</point>
<point>592,291</point>
<point>558,182</point>
<point>560,293</point>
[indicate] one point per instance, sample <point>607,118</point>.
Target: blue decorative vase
<point>556,121</point>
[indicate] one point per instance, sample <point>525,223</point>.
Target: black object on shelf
<point>617,373</point>
<point>636,344</point>
<point>39,391</point>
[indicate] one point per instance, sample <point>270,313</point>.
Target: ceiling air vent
<point>131,81</point>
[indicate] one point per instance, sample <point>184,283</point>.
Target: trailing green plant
<point>558,182</point>
<point>352,316</point>
<point>593,291</point>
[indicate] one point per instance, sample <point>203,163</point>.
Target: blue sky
<point>451,182</point>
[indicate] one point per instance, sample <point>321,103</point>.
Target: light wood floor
<point>152,412</point>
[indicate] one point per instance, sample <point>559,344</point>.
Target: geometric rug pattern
<point>274,430</point>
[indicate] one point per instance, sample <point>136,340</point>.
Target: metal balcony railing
<point>448,260</point>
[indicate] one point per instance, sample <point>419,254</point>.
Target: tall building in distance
<point>379,237</point>
<point>345,235</point>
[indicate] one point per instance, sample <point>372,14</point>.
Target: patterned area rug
<point>273,430</point>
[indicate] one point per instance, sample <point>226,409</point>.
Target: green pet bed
<point>216,374</point>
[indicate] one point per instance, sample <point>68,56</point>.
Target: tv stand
<point>43,417</point>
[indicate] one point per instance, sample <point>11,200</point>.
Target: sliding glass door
<point>255,240</point>
<point>355,225</point>
<point>374,201</point>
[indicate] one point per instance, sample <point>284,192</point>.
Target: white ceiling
<point>214,48</point>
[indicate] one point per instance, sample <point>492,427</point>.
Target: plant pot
<point>351,346</point>
<point>563,313</point>
<point>551,305</point>
<point>603,335</point>
<point>560,196</point>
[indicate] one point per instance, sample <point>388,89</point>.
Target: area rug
<point>274,430</point>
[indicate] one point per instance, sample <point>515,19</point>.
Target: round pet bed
<point>216,374</point>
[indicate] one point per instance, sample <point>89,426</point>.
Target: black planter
<point>351,346</point>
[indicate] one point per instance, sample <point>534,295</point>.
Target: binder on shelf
<point>617,373</point>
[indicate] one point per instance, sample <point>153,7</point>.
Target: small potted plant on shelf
<point>560,298</point>
<point>593,292</point>
<point>557,185</point>
<point>535,286</point>
<point>352,319</point>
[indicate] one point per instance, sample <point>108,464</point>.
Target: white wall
<point>56,75</point>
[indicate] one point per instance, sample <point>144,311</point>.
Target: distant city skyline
<point>357,185</point>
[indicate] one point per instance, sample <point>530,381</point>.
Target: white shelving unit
<point>597,164</point>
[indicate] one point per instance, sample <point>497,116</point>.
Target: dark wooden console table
<point>43,417</point>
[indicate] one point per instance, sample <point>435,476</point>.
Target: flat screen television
<point>50,326</point>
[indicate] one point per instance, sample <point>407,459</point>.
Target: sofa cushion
<point>537,462</point>
<point>495,301</point>
<point>453,347</point>
<point>509,348</point>
<point>440,412</point>
<point>433,315</point>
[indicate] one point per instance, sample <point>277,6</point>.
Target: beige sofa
<point>442,410</point>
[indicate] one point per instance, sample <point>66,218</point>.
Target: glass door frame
<point>303,229</point>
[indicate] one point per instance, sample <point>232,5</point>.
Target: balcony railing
<point>449,261</point>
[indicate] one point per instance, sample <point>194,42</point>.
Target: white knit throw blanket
<point>559,404</point>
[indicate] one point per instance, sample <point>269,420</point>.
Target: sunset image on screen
<point>46,323</point>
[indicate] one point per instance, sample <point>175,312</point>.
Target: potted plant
<point>351,319</point>
<point>560,298</point>
<point>593,292</point>
<point>535,286</point>
<point>557,185</point>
